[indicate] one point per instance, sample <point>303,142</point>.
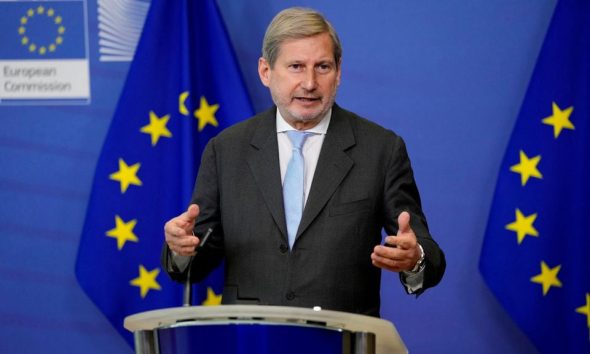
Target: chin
<point>308,116</point>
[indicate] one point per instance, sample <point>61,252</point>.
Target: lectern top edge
<point>387,337</point>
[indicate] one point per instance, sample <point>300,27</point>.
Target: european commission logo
<point>41,30</point>
<point>43,52</point>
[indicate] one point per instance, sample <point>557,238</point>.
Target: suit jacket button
<point>290,295</point>
<point>283,248</point>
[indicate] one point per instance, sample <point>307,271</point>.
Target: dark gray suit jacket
<point>362,182</point>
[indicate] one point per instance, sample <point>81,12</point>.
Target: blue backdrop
<point>448,76</point>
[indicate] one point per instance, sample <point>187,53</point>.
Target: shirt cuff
<point>178,263</point>
<point>413,281</point>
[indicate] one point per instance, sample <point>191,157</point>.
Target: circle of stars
<point>31,16</point>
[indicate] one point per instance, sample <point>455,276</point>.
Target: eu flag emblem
<point>42,30</point>
<point>183,87</point>
<point>534,256</point>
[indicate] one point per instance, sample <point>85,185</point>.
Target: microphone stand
<point>187,295</point>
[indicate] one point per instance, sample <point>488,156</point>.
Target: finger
<point>395,254</point>
<point>394,259</point>
<point>189,241</point>
<point>403,222</point>
<point>190,215</point>
<point>179,241</point>
<point>185,251</point>
<point>402,241</point>
<point>184,246</point>
<point>382,262</point>
<point>392,241</point>
<point>174,230</point>
<point>185,220</point>
<point>387,263</point>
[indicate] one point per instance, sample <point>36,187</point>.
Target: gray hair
<point>296,23</point>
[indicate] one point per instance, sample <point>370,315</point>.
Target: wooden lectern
<point>261,329</point>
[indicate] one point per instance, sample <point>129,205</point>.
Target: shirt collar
<point>321,128</point>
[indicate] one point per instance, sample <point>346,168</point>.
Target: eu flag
<point>183,87</point>
<point>535,251</point>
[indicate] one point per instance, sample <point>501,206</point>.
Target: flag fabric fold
<point>183,87</point>
<point>535,252</point>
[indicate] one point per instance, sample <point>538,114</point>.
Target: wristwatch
<point>420,264</point>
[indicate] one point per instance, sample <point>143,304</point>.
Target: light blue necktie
<point>293,186</point>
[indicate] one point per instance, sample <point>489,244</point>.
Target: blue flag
<point>535,251</point>
<point>183,87</point>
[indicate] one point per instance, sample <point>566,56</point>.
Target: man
<point>354,179</point>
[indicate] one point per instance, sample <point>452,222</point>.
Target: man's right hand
<point>179,232</point>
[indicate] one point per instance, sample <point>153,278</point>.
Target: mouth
<point>307,99</point>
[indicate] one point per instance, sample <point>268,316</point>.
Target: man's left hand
<point>402,252</point>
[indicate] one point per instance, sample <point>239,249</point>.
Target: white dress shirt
<point>311,148</point>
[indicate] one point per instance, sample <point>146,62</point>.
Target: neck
<point>301,124</point>
<point>304,125</point>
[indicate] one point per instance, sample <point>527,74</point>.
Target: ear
<point>264,71</point>
<point>339,74</point>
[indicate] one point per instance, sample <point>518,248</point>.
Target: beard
<point>291,113</point>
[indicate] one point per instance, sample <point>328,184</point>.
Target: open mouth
<point>307,99</point>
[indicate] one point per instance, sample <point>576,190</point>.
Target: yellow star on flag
<point>123,232</point>
<point>212,298</point>
<point>126,175</point>
<point>585,309</point>
<point>548,277</point>
<point>206,114</point>
<point>157,127</point>
<point>182,103</point>
<point>527,167</point>
<point>146,280</point>
<point>560,119</point>
<point>523,226</point>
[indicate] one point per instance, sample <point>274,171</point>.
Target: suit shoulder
<point>365,128</point>
<point>244,129</point>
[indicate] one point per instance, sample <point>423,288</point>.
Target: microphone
<point>187,297</point>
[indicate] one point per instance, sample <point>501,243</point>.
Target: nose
<point>309,81</point>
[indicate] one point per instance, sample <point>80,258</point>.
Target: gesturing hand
<point>179,232</point>
<point>402,252</point>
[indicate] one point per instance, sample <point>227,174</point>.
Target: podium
<point>256,329</point>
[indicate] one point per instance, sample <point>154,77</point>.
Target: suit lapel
<point>263,159</point>
<point>333,166</point>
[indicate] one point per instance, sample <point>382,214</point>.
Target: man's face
<point>304,79</point>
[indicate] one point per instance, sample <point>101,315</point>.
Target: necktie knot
<point>297,138</point>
